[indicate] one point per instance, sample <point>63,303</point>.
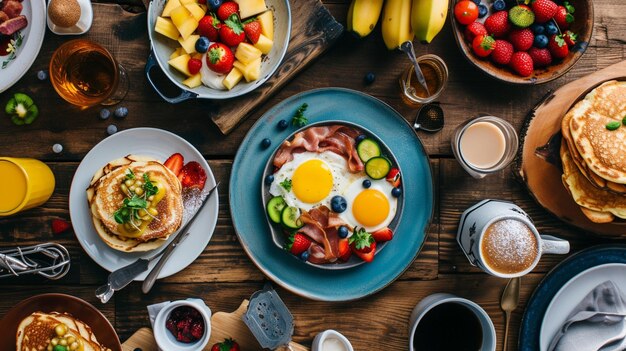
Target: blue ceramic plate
<point>554,281</point>
<point>249,219</point>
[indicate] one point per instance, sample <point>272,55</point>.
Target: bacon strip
<point>11,26</point>
<point>321,226</point>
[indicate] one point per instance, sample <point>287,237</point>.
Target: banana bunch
<point>402,19</point>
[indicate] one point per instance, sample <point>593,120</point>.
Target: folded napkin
<point>153,310</point>
<point>597,323</point>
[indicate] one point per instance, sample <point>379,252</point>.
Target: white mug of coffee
<point>499,237</point>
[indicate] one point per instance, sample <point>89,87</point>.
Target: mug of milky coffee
<point>499,237</point>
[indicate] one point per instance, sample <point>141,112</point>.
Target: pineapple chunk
<point>188,27</point>
<point>189,44</point>
<point>171,4</point>
<point>267,24</point>
<point>264,44</point>
<point>180,64</point>
<point>176,53</point>
<point>247,53</point>
<point>196,11</point>
<point>179,15</point>
<point>185,2</point>
<point>203,7</point>
<point>240,66</point>
<point>193,81</point>
<point>166,27</point>
<point>249,8</point>
<point>252,70</point>
<point>232,78</point>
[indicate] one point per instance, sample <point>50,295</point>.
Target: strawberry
<point>473,30</point>
<point>209,27</point>
<point>564,16</point>
<point>194,65</point>
<point>252,28</point>
<point>544,10</point>
<point>502,52</point>
<point>363,244</point>
<point>227,9</point>
<point>231,32</point>
<point>498,24</point>
<point>383,235</point>
<point>344,250</point>
<point>483,45</point>
<point>59,226</point>
<point>570,38</point>
<point>220,58</point>
<point>192,175</point>
<point>541,57</point>
<point>522,39</point>
<point>557,46</point>
<point>297,243</point>
<point>226,345</point>
<point>175,163</point>
<point>522,63</point>
<point>393,177</point>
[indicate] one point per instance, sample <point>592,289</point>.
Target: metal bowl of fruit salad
<point>216,49</point>
<point>522,42</point>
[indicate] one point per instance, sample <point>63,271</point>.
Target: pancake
<point>37,330</point>
<point>105,197</point>
<point>600,206</point>
<point>603,150</point>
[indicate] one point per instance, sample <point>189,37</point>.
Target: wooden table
<point>223,275</point>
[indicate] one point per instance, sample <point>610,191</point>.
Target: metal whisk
<point>49,260</point>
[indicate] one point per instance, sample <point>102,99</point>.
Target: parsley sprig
<point>299,120</point>
<point>286,184</point>
<point>129,211</point>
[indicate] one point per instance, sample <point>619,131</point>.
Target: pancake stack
<point>593,153</point>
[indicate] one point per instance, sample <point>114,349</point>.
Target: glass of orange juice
<point>26,183</point>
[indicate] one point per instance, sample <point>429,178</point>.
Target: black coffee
<point>448,327</point>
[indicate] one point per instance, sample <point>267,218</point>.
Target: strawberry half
<point>192,175</point>
<point>363,244</point>
<point>344,250</point>
<point>175,163</point>
<point>59,226</point>
<point>297,243</point>
<point>383,235</point>
<point>393,177</point>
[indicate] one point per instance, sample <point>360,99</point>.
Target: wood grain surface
<point>223,275</point>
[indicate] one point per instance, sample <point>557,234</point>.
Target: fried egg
<point>314,178</point>
<point>373,208</point>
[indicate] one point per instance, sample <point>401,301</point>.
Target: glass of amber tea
<point>85,74</point>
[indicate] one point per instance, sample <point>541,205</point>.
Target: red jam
<point>186,324</point>
<point>4,44</point>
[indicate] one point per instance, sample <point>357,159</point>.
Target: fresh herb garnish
<point>149,187</point>
<point>613,125</point>
<point>361,239</point>
<point>130,174</point>
<point>286,184</point>
<point>299,120</point>
<point>624,120</point>
<point>129,211</point>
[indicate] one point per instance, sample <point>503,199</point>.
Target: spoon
<point>508,303</point>
<point>429,118</point>
<point>407,47</point>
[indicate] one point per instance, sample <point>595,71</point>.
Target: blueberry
<point>396,192</point>
<point>538,28</point>
<point>343,232</point>
<point>57,148</point>
<point>369,78</point>
<point>202,45</point>
<point>111,129</point>
<point>265,143</point>
<point>269,179</point>
<point>482,10</point>
<point>367,183</point>
<point>304,256</point>
<point>121,112</point>
<point>499,5</point>
<point>214,4</point>
<point>42,75</point>
<point>283,124</point>
<point>105,113</point>
<point>541,41</point>
<point>551,28</point>
<point>360,138</point>
<point>338,204</point>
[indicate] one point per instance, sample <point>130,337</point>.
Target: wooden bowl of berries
<point>523,41</point>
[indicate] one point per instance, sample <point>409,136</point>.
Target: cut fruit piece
<point>176,53</point>
<point>253,70</point>
<point>185,2</point>
<point>193,81</point>
<point>22,109</point>
<point>249,8</point>
<point>189,44</point>
<point>264,44</point>
<point>233,78</point>
<point>196,11</point>
<point>188,27</point>
<point>179,15</point>
<point>167,28</point>
<point>240,66</point>
<point>267,24</point>
<point>247,53</point>
<point>180,64</point>
<point>171,4</point>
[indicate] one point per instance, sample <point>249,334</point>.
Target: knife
<point>152,276</point>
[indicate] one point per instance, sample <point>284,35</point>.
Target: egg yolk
<point>370,207</point>
<point>312,181</point>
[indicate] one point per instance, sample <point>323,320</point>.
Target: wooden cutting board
<point>223,325</point>
<point>313,31</point>
<point>543,179</point>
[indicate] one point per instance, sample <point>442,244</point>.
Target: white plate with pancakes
<point>152,143</point>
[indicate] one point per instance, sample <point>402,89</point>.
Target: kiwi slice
<point>521,16</point>
<point>22,109</point>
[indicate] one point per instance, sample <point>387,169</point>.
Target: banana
<point>363,16</point>
<point>428,18</point>
<point>397,23</point>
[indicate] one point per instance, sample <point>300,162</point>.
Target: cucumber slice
<point>368,149</point>
<point>291,217</point>
<point>275,207</point>
<point>377,167</point>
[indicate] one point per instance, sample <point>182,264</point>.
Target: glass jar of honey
<point>436,74</point>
